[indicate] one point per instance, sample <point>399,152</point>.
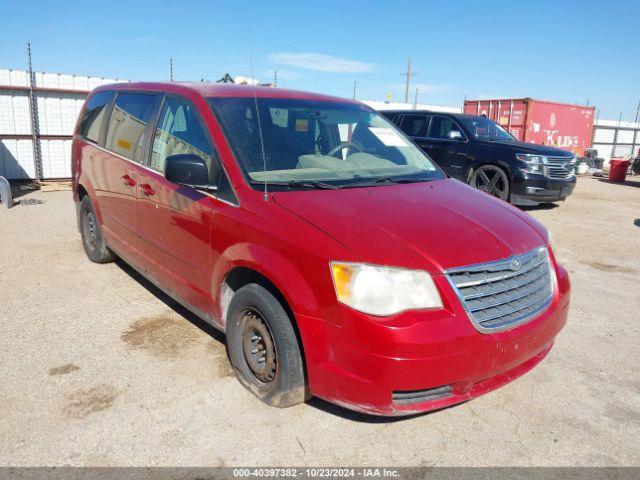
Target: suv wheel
<point>491,179</point>
<point>92,240</point>
<point>263,347</point>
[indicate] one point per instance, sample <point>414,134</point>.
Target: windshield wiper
<point>299,183</point>
<point>398,180</point>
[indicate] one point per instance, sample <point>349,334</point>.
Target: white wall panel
<point>57,113</point>
<point>603,135</point>
<point>604,151</point>
<point>16,159</point>
<point>625,136</point>
<point>14,114</point>
<point>56,158</point>
<point>5,79</point>
<point>16,78</point>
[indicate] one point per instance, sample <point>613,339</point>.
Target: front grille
<point>506,293</point>
<point>419,396</point>
<point>561,168</point>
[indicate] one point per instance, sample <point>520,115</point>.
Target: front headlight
<point>535,163</point>
<point>381,290</point>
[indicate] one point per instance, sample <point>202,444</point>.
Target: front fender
<point>274,266</point>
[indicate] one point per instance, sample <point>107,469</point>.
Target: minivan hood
<point>429,225</point>
<point>525,147</point>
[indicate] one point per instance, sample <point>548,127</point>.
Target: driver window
<point>179,132</point>
<point>440,127</point>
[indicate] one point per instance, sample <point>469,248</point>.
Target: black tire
<point>263,347</point>
<point>92,240</point>
<point>492,180</point>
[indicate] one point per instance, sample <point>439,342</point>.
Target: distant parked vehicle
<point>635,165</point>
<point>478,151</point>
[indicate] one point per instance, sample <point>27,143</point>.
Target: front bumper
<point>363,363</point>
<point>533,189</point>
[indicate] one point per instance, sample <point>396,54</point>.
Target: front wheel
<point>263,347</point>
<point>492,180</point>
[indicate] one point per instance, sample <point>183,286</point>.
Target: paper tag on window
<point>388,137</point>
<point>302,125</point>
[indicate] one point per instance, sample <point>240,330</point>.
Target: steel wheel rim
<point>258,347</point>
<point>90,230</point>
<point>492,181</point>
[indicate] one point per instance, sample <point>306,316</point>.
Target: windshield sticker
<point>388,137</point>
<point>279,117</point>
<point>302,125</point>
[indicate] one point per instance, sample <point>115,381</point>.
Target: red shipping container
<point>536,121</point>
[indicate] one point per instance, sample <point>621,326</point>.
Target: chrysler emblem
<point>515,264</point>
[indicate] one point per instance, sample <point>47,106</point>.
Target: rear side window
<point>179,131</point>
<point>93,116</point>
<point>414,125</point>
<point>131,114</point>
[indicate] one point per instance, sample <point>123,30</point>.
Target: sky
<point>567,51</point>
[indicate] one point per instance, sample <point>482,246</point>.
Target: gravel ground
<point>98,368</point>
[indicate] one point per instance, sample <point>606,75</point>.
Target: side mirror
<point>187,169</point>
<point>454,135</point>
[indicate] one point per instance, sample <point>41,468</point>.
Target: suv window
<point>440,127</point>
<point>414,125</point>
<point>131,114</point>
<point>93,116</point>
<point>179,131</point>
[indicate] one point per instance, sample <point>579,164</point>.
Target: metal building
<point>616,139</point>
<point>38,113</point>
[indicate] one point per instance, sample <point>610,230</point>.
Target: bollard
<point>5,193</point>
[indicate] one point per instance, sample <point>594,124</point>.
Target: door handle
<point>147,190</point>
<point>127,180</point>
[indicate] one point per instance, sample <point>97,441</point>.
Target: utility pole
<point>355,84</point>
<point>275,78</point>
<point>407,74</point>
<point>171,69</point>
<point>637,113</point>
<point>415,100</point>
<point>35,128</point>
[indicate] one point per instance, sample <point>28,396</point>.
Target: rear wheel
<point>92,240</point>
<point>263,347</point>
<point>492,180</point>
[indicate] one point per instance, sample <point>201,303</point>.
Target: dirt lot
<point>98,368</point>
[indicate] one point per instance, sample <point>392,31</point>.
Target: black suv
<point>480,152</point>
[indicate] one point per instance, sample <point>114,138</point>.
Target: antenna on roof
<point>255,100</point>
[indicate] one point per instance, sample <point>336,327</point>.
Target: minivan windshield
<point>483,128</point>
<point>318,144</point>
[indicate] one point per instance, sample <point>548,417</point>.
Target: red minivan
<point>337,258</point>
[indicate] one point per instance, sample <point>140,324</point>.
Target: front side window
<point>483,128</point>
<point>443,128</point>
<point>93,116</point>
<point>318,141</point>
<point>131,114</point>
<point>179,131</point>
